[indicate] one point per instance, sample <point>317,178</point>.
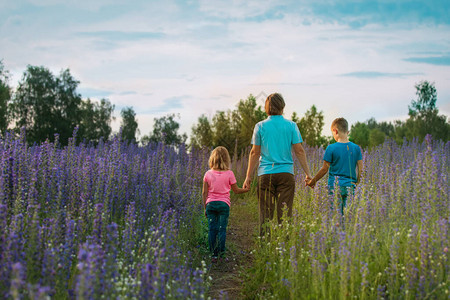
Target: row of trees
<point>233,129</point>
<point>46,104</point>
<point>423,119</point>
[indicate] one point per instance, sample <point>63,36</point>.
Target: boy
<point>342,159</point>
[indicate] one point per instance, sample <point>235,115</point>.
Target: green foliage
<point>46,104</point>
<point>95,120</point>
<point>388,244</point>
<point>369,134</point>
<point>246,115</point>
<point>129,124</point>
<point>426,100</point>
<point>224,133</point>
<point>5,96</point>
<point>359,134</point>
<point>202,135</point>
<point>424,116</point>
<point>376,137</point>
<point>231,129</point>
<point>165,129</point>
<point>311,126</point>
<point>423,119</point>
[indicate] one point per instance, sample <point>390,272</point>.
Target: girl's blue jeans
<point>217,213</point>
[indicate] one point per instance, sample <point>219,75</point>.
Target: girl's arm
<point>320,174</point>
<point>238,190</point>
<point>205,193</point>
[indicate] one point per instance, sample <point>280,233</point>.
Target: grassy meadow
<point>120,221</point>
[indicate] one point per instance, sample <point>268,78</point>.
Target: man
<point>273,141</point>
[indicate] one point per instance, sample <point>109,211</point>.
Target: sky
<point>355,59</point>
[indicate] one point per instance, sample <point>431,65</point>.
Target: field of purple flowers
<point>392,243</point>
<point>119,221</point>
<point>88,222</point>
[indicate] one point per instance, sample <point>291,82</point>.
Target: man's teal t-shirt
<point>342,158</point>
<point>276,135</point>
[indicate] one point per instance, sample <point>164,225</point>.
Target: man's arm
<point>320,174</point>
<point>301,156</point>
<point>253,160</point>
<point>359,166</point>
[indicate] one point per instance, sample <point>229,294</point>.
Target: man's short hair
<point>340,124</point>
<point>275,104</point>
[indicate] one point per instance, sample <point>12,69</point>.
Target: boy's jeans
<point>217,213</point>
<point>344,192</point>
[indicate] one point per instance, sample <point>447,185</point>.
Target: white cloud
<point>222,52</point>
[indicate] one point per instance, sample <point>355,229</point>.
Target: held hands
<point>310,182</point>
<point>247,184</point>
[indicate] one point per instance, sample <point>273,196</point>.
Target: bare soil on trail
<point>227,273</point>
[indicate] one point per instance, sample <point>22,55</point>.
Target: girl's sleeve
<point>232,178</point>
<point>205,178</point>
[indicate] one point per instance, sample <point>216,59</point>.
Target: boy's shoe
<point>214,259</point>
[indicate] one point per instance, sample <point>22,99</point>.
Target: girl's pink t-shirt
<point>219,185</point>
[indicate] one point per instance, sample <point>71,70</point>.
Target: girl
<point>217,183</point>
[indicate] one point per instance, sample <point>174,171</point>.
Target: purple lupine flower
<point>147,288</point>
<point>18,276</point>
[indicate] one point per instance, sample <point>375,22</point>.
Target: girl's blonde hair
<point>220,159</point>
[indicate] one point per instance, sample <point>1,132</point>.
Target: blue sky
<point>356,59</point>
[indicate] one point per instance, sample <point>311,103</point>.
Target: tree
<point>95,120</point>
<point>165,129</point>
<point>232,129</point>
<point>246,115</point>
<point>223,132</point>
<point>46,104</point>
<point>424,116</point>
<point>359,134</point>
<point>426,100</point>
<point>376,137</point>
<point>129,124</point>
<point>202,135</point>
<point>5,96</point>
<point>311,126</point>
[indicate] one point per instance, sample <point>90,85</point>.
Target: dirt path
<point>227,273</point>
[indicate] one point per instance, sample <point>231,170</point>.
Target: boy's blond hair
<point>220,159</point>
<point>340,124</point>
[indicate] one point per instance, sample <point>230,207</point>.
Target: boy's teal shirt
<point>342,158</point>
<point>276,135</point>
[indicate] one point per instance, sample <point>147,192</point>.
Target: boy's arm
<point>238,190</point>
<point>205,193</point>
<point>359,166</point>
<point>301,156</point>
<point>320,174</point>
<point>253,159</point>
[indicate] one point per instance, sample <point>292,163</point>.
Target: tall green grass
<point>391,243</point>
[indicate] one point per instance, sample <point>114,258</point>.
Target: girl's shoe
<point>214,259</point>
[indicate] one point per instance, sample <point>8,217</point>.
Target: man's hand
<point>310,182</point>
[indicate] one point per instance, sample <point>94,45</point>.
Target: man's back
<point>276,135</point>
